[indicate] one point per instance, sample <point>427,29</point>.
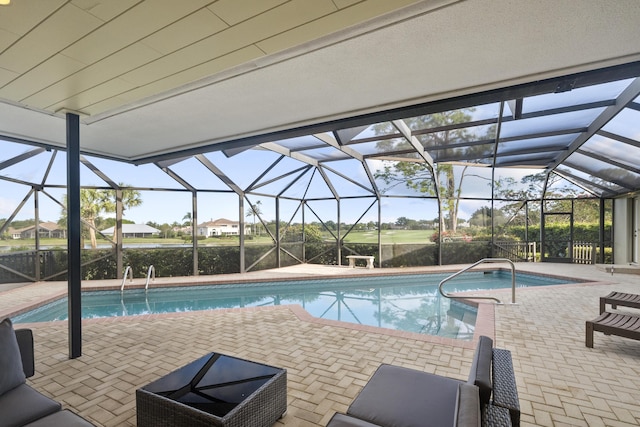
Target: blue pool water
<point>409,302</point>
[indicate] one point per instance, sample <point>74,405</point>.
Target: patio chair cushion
<point>11,372</point>
<point>480,374</point>
<point>23,405</point>
<point>468,406</point>
<point>64,418</point>
<point>402,397</point>
<point>342,420</point>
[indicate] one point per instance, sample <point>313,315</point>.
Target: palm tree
<point>187,216</point>
<point>130,199</point>
<point>254,210</point>
<point>94,202</point>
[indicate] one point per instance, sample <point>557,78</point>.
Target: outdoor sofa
<point>400,397</point>
<point>20,404</point>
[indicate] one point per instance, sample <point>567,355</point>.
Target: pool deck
<point>560,381</point>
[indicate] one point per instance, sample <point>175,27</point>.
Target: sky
<point>246,168</point>
<point>216,200</point>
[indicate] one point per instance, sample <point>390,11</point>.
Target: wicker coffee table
<point>215,390</point>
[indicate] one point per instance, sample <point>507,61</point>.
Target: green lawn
<point>388,237</point>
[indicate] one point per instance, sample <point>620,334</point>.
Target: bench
<point>401,397</point>
<point>352,260</point>
<point>622,325</point>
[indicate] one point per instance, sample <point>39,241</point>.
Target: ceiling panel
<point>6,76</point>
<point>186,31</point>
<point>83,101</point>
<point>48,38</point>
<point>6,38</point>
<point>40,77</point>
<point>236,11</point>
<point>182,77</point>
<point>328,24</point>
<point>140,21</point>
<point>92,76</point>
<point>341,4</point>
<point>105,10</point>
<point>24,15</point>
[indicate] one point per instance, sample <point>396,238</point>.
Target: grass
<point>388,237</point>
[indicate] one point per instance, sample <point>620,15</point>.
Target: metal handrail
<point>124,278</point>
<point>482,261</point>
<point>151,271</point>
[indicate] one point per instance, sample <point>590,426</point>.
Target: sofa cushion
<point>25,342</point>
<point>468,406</point>
<point>480,374</point>
<point>61,419</point>
<point>11,373</point>
<point>402,397</point>
<point>23,405</point>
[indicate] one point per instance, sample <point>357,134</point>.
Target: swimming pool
<point>407,302</point>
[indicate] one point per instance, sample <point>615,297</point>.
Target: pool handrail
<point>151,271</point>
<point>482,261</point>
<point>124,278</point>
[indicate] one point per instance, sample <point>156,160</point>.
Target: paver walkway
<point>560,381</point>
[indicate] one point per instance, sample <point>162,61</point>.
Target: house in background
<point>47,229</point>
<point>221,227</point>
<point>134,230</point>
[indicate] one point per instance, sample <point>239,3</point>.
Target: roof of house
<point>47,225</point>
<point>218,222</point>
<point>133,229</point>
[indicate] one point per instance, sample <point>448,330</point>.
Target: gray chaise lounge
<point>402,397</point>
<point>21,405</point>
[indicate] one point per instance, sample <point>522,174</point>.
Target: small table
<point>216,390</point>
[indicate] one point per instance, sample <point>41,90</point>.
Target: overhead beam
<point>417,145</point>
<point>98,172</point>
<point>21,157</point>
<point>628,95</point>
<point>277,148</point>
<point>221,175</point>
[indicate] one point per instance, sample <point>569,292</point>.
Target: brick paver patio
<point>560,381</point>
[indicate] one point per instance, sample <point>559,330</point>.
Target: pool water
<point>408,302</point>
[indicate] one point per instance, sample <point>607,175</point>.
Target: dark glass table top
<point>215,383</point>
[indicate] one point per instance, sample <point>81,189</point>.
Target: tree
<point>187,216</point>
<point>402,221</point>
<point>293,233</point>
<point>418,175</point>
<point>94,202</point>
<point>482,217</point>
<point>254,210</point>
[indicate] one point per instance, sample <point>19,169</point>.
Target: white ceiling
<point>152,77</point>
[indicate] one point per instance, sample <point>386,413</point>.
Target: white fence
<point>584,253</point>
<point>516,251</point>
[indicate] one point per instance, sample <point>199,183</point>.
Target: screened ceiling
<point>582,128</point>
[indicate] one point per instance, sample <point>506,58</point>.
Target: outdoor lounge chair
<point>619,298</point>
<point>401,397</point>
<point>622,325</point>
